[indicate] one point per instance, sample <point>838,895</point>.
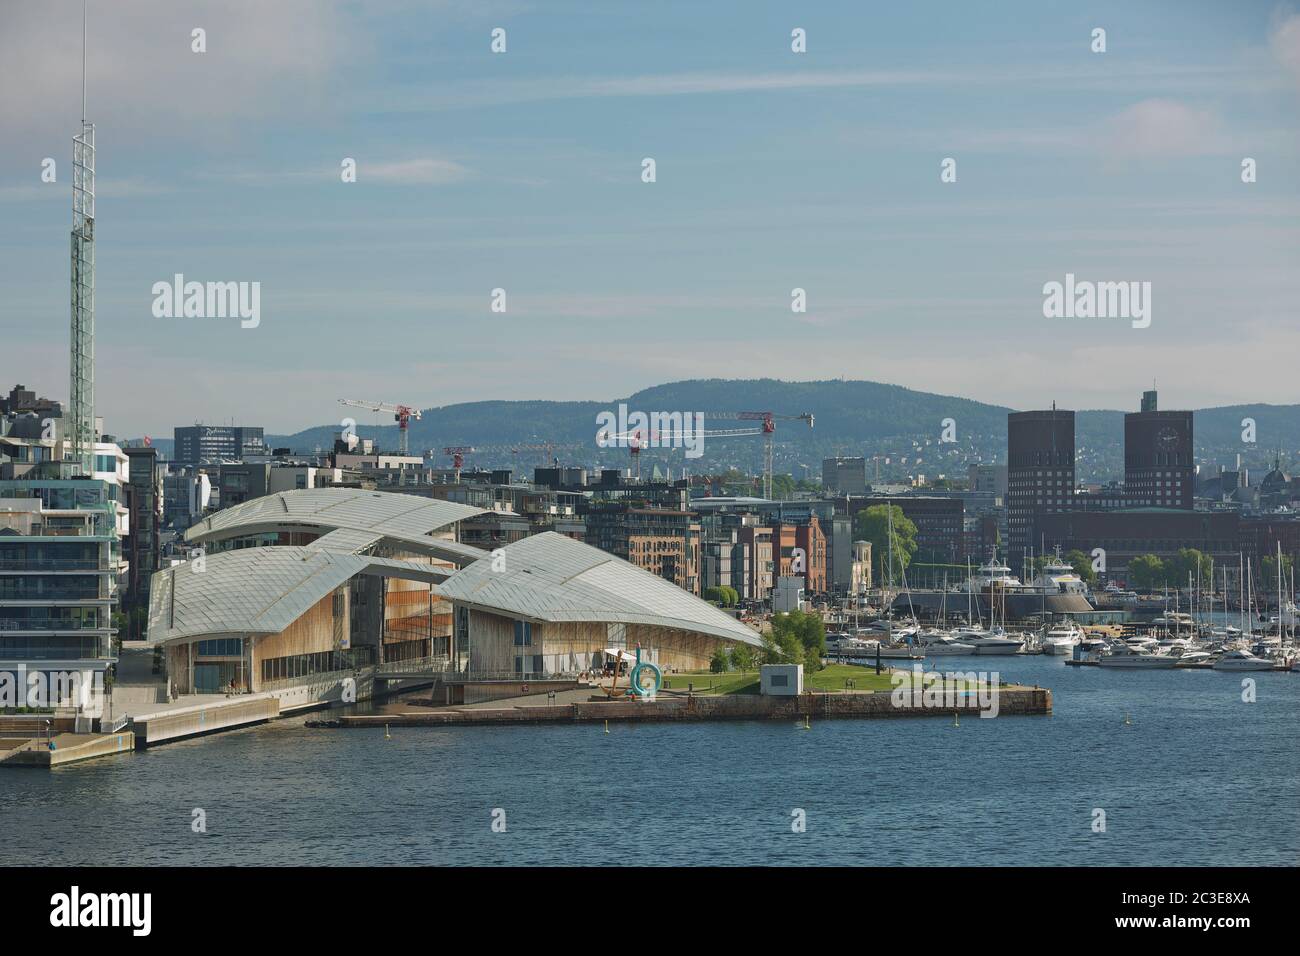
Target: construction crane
<point>769,420</point>
<point>634,441</point>
<point>402,414</point>
<point>646,438</point>
<point>458,452</point>
<point>640,438</point>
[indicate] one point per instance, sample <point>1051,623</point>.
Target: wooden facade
<point>573,647</point>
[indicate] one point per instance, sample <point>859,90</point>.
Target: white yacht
<point>1290,616</point>
<point>897,652</point>
<point>1057,577</point>
<point>939,644</point>
<point>1241,660</point>
<point>1122,655</point>
<point>854,647</point>
<point>1062,638</point>
<point>995,641</point>
<point>993,574</point>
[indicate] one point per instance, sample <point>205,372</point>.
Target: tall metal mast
<point>81,393</point>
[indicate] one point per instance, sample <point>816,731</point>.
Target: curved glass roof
<point>550,577</point>
<point>258,590</point>
<point>407,519</point>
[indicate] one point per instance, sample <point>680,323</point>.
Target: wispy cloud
<point>1160,127</point>
<point>1284,42</point>
<point>426,170</point>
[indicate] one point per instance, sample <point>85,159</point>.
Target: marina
<point>919,625</point>
<point>891,792</point>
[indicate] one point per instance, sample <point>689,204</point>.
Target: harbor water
<point>1186,772</point>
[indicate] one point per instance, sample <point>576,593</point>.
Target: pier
<point>1013,701</point>
<point>66,749</point>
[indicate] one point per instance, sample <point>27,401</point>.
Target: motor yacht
<point>1061,638</point>
<point>939,644</point>
<point>995,641</point>
<point>1122,655</point>
<point>1242,660</point>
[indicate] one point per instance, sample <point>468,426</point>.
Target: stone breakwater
<point>1013,701</point>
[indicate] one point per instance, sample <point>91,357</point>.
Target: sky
<point>774,170</point>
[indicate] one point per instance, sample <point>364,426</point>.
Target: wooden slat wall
<point>492,642</point>
<point>310,634</point>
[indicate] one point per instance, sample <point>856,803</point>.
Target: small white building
<point>788,594</point>
<point>780,680</point>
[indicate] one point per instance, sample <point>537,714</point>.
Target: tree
<point>782,486</point>
<point>872,524</point>
<point>1269,576</point>
<point>1187,562</point>
<point>1146,572</point>
<point>742,657</point>
<point>807,630</point>
<point>723,596</point>
<point>1082,565</point>
<point>781,649</point>
<point>718,663</point>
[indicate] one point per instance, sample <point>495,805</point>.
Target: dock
<point>67,748</point>
<point>1012,701</point>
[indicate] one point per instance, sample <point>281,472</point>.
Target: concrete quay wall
<point>1011,702</point>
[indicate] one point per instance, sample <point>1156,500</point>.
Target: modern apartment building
<point>663,541</point>
<point>60,569</point>
<point>142,546</point>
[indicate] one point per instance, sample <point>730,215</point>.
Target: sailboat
<point>995,640</point>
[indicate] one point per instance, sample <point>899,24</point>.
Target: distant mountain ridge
<point>852,417</point>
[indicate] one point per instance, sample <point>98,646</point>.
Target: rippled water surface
<point>1197,777</point>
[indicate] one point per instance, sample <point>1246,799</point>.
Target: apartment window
<point>523,634</point>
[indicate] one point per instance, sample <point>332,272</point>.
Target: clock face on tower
<point>1167,439</point>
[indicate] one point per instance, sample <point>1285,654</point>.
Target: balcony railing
<point>52,564</point>
<point>55,650</point>
<point>512,676</point>
<point>44,624</point>
<point>55,594</point>
<point>415,665</point>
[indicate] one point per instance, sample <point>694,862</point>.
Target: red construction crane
<point>769,420</point>
<point>402,414</point>
<point>458,452</point>
<point>645,437</point>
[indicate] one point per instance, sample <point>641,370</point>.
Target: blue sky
<point>775,170</point>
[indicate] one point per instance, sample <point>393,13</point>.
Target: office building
<point>1158,466</point>
<point>844,476</point>
<point>1040,474</point>
<point>195,444</point>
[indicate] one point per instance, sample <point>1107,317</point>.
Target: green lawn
<point>732,682</point>
<point>833,677</point>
